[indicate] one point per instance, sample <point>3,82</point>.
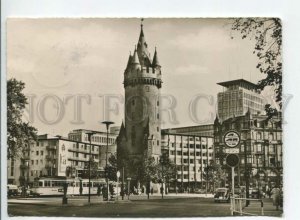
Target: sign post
<point>232,140</point>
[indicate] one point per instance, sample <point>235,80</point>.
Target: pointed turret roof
<point>142,49</point>
<point>135,59</point>
<point>129,59</point>
<point>216,119</point>
<point>155,59</point>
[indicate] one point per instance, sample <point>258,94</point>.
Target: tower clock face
<point>231,139</point>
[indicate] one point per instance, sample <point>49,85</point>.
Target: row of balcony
<point>87,151</point>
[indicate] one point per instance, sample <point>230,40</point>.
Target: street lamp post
<point>118,176</point>
<point>161,160</point>
<point>107,123</point>
<point>90,134</point>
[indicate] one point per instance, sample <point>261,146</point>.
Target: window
<point>41,161</point>
<point>157,142</point>
<point>157,115</point>
<point>37,162</point>
<point>37,153</point>
<point>157,129</point>
<point>271,148</point>
<point>42,153</point>
<point>178,152</point>
<point>147,88</point>
<point>191,160</point>
<point>185,160</point>
<point>259,148</point>
<point>157,103</point>
<point>32,162</point>
<point>133,102</point>
<point>258,136</point>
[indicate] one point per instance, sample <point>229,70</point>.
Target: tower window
<point>157,103</point>
<point>157,129</point>
<point>157,116</point>
<point>133,102</point>
<point>157,142</point>
<point>147,88</point>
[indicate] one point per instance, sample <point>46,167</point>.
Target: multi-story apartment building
<point>260,149</point>
<point>54,155</point>
<point>191,154</point>
<point>238,97</point>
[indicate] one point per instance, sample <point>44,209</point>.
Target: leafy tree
<point>166,169</point>
<point>95,174</point>
<point>111,169</point>
<point>267,33</point>
<point>19,133</point>
<point>214,173</point>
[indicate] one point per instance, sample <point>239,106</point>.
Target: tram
<point>53,186</point>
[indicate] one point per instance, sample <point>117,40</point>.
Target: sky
<point>63,60</point>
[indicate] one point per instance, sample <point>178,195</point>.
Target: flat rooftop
<point>240,82</point>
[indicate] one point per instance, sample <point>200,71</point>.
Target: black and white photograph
<point>145,117</point>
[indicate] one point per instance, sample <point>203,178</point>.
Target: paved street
<point>138,206</point>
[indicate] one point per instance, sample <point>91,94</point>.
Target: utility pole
<point>246,174</point>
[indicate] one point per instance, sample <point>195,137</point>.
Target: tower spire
<point>142,48</point>
<point>155,59</point>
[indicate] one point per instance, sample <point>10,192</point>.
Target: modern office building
<point>260,149</point>
<point>206,130</point>
<point>238,97</point>
<point>191,153</point>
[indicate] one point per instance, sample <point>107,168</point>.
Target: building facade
<point>191,154</point>
<point>260,149</point>
<point>59,156</point>
<point>140,136</point>
<point>238,97</point>
<point>206,130</point>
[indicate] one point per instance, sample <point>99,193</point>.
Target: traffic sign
<point>232,139</point>
<point>232,150</point>
<point>232,160</point>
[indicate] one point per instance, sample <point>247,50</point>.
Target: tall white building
<point>238,97</point>
<point>57,156</point>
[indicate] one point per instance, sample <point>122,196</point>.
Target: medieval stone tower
<point>140,136</point>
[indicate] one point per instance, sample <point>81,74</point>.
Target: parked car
<point>254,193</point>
<point>12,190</point>
<point>222,195</point>
<point>200,191</point>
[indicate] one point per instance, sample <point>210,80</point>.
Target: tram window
<point>84,184</point>
<point>77,184</point>
<point>40,183</point>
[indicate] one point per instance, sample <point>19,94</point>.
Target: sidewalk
<point>83,200</point>
<point>269,209</point>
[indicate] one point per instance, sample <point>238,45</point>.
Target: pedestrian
<point>275,196</point>
<point>98,190</point>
